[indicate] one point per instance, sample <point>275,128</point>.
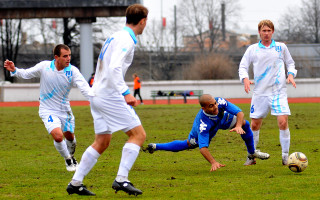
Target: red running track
<point>160,101</point>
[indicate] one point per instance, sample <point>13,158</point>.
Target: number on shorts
<point>252,109</point>
<point>50,119</point>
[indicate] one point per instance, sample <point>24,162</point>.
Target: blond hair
<point>267,23</point>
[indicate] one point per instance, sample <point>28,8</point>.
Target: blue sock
<point>248,138</point>
<point>175,146</point>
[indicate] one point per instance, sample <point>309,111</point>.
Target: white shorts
<point>111,115</point>
<point>58,119</point>
<point>261,105</point>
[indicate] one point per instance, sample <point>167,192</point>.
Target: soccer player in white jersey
<point>57,77</point>
<point>269,59</point>
<point>111,105</point>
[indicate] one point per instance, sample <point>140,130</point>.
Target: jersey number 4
<point>50,119</point>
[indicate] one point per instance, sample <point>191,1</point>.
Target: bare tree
<point>10,38</point>
<point>301,26</point>
<point>311,16</point>
<point>202,20</point>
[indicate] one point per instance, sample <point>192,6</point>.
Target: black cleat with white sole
<point>80,190</point>
<point>126,187</point>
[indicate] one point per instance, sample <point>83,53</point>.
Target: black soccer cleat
<point>126,187</point>
<point>150,148</point>
<point>80,190</point>
<point>74,161</point>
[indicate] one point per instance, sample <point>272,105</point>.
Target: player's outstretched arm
<point>9,65</point>
<point>214,164</point>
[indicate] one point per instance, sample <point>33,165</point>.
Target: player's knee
<point>58,138</point>
<point>141,136</point>
<point>255,126</point>
<point>283,124</point>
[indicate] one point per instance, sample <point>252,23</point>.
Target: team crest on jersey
<point>203,126</point>
<point>68,73</point>
<point>278,48</point>
<point>222,101</point>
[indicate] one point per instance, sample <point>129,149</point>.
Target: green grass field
<point>31,168</point>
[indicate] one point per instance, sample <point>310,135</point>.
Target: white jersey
<point>55,85</point>
<point>115,58</point>
<point>268,67</point>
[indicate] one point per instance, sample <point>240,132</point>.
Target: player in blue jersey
<point>270,62</point>
<point>57,77</point>
<point>215,113</point>
<point>111,105</point>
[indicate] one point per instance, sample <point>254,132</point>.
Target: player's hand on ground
<point>215,166</point>
<point>247,84</point>
<point>290,80</point>
<point>9,65</point>
<point>131,100</point>
<point>239,130</point>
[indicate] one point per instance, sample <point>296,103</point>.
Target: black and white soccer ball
<point>297,162</point>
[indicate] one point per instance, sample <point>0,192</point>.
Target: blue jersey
<point>205,126</point>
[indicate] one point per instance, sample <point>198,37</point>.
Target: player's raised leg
<point>71,145</point>
<point>62,148</point>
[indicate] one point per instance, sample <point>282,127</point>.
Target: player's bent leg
<point>62,148</point>
<point>248,137</point>
<point>71,144</point>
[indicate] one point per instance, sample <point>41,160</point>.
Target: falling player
<point>215,113</point>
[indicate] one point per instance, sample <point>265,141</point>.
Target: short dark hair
<point>135,13</point>
<point>57,49</point>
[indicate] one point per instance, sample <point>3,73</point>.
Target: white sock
<point>130,153</point>
<point>256,138</point>
<point>71,145</point>
<point>285,141</point>
<point>62,148</point>
<point>88,160</point>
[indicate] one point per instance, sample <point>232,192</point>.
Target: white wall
<point>223,88</point>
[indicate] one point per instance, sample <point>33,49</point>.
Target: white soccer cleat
<point>69,165</point>
<point>285,159</point>
<point>250,161</point>
<point>259,154</point>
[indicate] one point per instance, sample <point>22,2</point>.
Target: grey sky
<point>252,11</point>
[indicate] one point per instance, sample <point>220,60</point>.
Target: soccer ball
<point>297,162</point>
